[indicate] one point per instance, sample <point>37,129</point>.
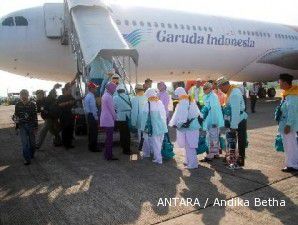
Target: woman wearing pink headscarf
<point>107,118</point>
<point>164,97</point>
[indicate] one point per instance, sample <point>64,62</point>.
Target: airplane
<point>172,45</point>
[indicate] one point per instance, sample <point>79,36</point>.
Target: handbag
<point>202,146</point>
<point>278,112</point>
<point>167,150</point>
<point>279,147</point>
<point>222,143</point>
<point>148,127</point>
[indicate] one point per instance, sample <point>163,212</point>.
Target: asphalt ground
<point>79,187</point>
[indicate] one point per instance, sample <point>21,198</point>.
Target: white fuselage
<point>182,46</point>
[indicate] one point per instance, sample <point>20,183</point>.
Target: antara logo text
<point>195,39</point>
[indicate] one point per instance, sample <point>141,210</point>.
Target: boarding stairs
<point>88,27</point>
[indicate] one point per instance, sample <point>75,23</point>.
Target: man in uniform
<point>197,93</point>
<point>253,95</point>
<point>65,103</point>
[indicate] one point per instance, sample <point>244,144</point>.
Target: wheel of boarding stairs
<point>262,93</point>
<point>271,92</point>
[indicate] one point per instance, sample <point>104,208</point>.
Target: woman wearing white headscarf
<point>153,125</point>
<point>187,124</point>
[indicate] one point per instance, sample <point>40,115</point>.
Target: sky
<point>284,12</point>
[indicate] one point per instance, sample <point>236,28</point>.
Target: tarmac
<point>79,187</point>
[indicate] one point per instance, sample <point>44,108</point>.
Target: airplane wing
<point>286,58</point>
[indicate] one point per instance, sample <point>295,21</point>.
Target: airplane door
<point>53,19</point>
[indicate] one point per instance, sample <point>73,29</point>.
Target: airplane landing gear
<point>266,91</point>
<point>271,92</point>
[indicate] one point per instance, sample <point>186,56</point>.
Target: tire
<point>262,93</point>
<point>271,92</point>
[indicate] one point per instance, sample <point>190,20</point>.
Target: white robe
<point>291,149</point>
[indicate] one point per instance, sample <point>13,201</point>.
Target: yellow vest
<point>200,94</point>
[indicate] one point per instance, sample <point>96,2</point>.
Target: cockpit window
<point>8,22</point>
<point>21,21</point>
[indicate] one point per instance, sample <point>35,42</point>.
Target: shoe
<point>217,157</point>
<point>206,160</point>
<point>289,169</point>
<point>127,153</point>
<point>95,150</point>
<point>240,162</point>
<point>191,168</point>
<point>156,161</point>
<point>113,159</point>
<point>26,163</point>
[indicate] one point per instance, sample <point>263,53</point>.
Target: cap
<point>148,80</point>
<point>39,92</point>
<point>115,76</point>
<point>286,77</point>
<point>221,81</point>
<point>199,79</point>
<point>151,93</point>
<point>139,87</point>
<point>207,85</point>
<point>111,72</point>
<point>92,85</point>
<point>180,91</point>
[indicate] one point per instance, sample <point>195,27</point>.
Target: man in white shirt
<point>253,94</point>
<point>92,117</point>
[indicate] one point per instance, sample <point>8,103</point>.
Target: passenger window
<point>194,27</point>
<point>268,34</point>
<point>187,27</point>
<point>257,34</point>
<point>134,23</point>
<point>261,34</point>
<point>21,21</point>
<point>162,25</point>
<point>8,22</point>
<point>182,27</point>
<point>244,32</point>
<point>239,32</point>
<point>248,33</point>
<point>176,26</point>
<point>169,25</point>
<point>126,22</point>
<point>205,28</point>
<point>142,23</point>
<point>118,22</point>
<point>199,28</point>
<point>252,33</point>
<point>210,29</point>
<point>149,24</point>
<point>155,24</point>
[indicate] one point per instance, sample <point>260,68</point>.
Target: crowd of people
<point>201,114</point>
